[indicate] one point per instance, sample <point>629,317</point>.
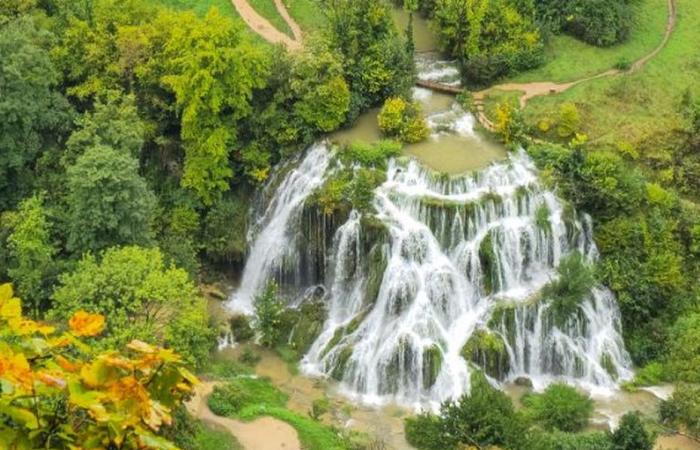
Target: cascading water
<point>443,275</point>
<point>459,261</point>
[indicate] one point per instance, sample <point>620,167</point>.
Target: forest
<point>429,224</point>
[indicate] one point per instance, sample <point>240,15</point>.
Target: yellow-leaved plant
<point>57,392</point>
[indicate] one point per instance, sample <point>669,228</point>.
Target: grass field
<point>225,7</point>
<point>569,59</point>
<point>307,13</point>
<point>268,10</point>
<point>642,108</point>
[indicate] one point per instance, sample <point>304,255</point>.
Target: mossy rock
<point>341,362</point>
<point>606,361</point>
<point>301,326</point>
<point>489,265</point>
<point>487,350</point>
<point>432,364</point>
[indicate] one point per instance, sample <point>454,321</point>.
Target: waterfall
<point>270,249</point>
<point>445,277</point>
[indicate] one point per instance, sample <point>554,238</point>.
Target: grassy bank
<point>307,13</point>
<point>268,10</point>
<point>641,109</point>
<point>569,59</point>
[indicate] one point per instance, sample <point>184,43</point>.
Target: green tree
<point>114,123</point>
<point>569,120</point>
<point>631,435</point>
<point>376,63</point>
<point>212,72</point>
<point>33,114</point>
<point>684,345</point>
<point>143,298</point>
<point>560,407</point>
<point>31,252</point>
<point>109,203</point>
<point>483,418</point>
<point>403,119</point>
<point>269,310</point>
<point>574,282</point>
<point>683,408</point>
<point>490,38</point>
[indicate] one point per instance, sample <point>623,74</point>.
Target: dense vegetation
<point>134,134</point>
<point>486,418</point>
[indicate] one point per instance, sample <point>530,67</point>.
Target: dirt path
<point>266,433</point>
<point>264,28</point>
<point>536,89</point>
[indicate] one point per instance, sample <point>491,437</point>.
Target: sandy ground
<point>266,433</point>
<point>264,28</point>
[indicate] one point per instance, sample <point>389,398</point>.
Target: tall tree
<point>32,113</point>
<point>109,203</point>
<point>31,251</point>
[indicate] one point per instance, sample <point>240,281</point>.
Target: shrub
<point>230,399</point>
<point>371,155</point>
<point>402,119</point>
<point>684,346</point>
<point>560,407</point>
<point>268,315</point>
<point>569,120</point>
<point>558,440</point>
<point>683,408</point>
<point>575,281</point>
<point>484,418</point>
<point>631,435</point>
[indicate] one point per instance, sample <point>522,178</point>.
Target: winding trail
<point>539,88</point>
<point>264,28</point>
<point>265,433</point>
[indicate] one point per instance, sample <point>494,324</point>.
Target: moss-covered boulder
<point>432,363</point>
<point>487,350</point>
<point>489,264</point>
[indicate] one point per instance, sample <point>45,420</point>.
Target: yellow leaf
<point>85,324</point>
<point>141,347</point>
<point>10,308</point>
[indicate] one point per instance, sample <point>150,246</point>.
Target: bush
<point>485,417</point>
<point>631,435</point>
<point>599,22</point>
<point>569,120</point>
<point>558,440</point>
<point>684,346</point>
<point>560,407</point>
<point>683,408</point>
<point>565,294</point>
<point>268,315</point>
<point>225,230</point>
<point>402,119</point>
<point>230,399</point>
<point>424,432</point>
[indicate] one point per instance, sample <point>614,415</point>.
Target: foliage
<point>268,315</point>
<point>143,298</point>
<point>225,229</point>
<point>371,155</point>
<point>631,435</point>
<point>212,74</point>
<point>574,282</point>
<point>484,418</point>
<point>509,123</point>
<point>113,123</point>
<point>375,60</point>
<point>33,114</point>
<point>560,407</point>
<point>683,408</point>
<point>684,349</point>
<point>402,119</point>
<point>31,252</point>
<point>111,398</point>
<point>569,120</point>
<point>491,39</point>
<point>558,440</point>
<point>109,203</point>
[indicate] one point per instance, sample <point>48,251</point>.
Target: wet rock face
<point>442,275</point>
